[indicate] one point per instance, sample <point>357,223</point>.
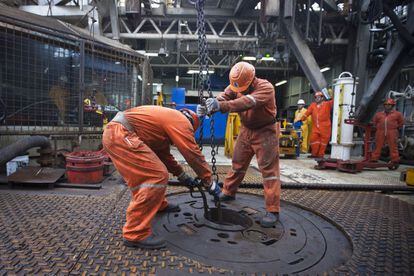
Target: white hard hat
<point>301,102</point>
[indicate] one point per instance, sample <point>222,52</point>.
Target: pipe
<point>323,186</point>
<point>21,146</point>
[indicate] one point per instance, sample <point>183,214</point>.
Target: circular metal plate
<point>300,242</point>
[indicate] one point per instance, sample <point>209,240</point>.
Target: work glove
<point>212,105</point>
<point>214,189</point>
<point>186,180</point>
<point>201,110</point>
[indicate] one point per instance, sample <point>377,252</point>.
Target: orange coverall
<point>387,125</point>
<point>258,135</point>
<point>321,129</point>
<point>143,159</point>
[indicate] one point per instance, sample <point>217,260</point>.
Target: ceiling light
<point>162,52</point>
<point>249,58</point>
<point>281,82</point>
<point>151,54</point>
<point>268,59</point>
<point>139,77</point>
<point>177,78</point>
<point>194,71</point>
<point>325,69</point>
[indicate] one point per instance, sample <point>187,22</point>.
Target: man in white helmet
<point>304,126</point>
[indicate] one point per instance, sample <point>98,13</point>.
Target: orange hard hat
<point>192,116</point>
<point>318,93</point>
<point>241,76</point>
<point>389,101</point>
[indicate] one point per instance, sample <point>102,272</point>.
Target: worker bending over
<point>387,123</point>
<point>254,100</point>
<point>138,142</point>
<point>321,120</point>
<point>304,126</point>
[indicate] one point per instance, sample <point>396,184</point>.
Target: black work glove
<point>186,180</point>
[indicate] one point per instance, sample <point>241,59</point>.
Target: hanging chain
<point>204,80</point>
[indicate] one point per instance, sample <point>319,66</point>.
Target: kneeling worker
<point>138,141</point>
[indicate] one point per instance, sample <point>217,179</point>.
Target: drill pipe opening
<point>228,218</point>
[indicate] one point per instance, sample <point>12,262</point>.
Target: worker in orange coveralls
<point>321,129</point>
<point>138,141</point>
<point>387,123</point>
<point>254,100</point>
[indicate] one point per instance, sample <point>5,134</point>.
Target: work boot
<point>171,208</point>
<point>152,242</point>
<point>269,219</point>
<point>223,197</point>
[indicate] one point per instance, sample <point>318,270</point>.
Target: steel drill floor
<point>62,231</point>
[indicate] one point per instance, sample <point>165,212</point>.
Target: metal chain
<point>204,80</point>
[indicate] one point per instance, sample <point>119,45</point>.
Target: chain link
<point>204,80</point>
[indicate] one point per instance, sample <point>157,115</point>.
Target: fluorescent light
<point>143,52</point>
<point>325,69</point>
<point>139,77</point>
<point>193,71</point>
<point>248,58</point>
<point>268,58</point>
<point>177,78</point>
<point>117,62</point>
<point>281,82</point>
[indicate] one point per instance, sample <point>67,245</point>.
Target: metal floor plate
<point>82,234</point>
<point>300,242</point>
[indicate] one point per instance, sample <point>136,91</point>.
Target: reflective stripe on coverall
<point>304,147</point>
<point>143,159</point>
<point>387,125</point>
<point>258,135</point>
<point>321,128</point>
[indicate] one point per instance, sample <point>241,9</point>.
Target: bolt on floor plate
<point>300,242</point>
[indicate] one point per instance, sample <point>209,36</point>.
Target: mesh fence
<point>56,84</point>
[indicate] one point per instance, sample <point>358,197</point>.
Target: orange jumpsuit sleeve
<point>400,120</point>
<point>308,112</point>
<point>375,120</point>
<point>181,134</point>
<point>261,96</point>
<point>227,95</point>
<point>169,161</point>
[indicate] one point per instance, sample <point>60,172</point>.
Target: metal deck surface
<point>64,231</point>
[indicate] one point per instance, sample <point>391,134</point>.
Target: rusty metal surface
<point>36,175</point>
<point>69,233</point>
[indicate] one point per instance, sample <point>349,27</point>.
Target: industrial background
<point>68,66</point>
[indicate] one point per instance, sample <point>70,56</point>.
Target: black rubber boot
<point>269,219</point>
<point>223,197</point>
<point>171,208</point>
<point>152,242</point>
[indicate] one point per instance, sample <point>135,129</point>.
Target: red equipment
<point>354,166</point>
<point>85,167</point>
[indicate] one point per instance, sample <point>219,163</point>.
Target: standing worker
<point>254,100</point>
<point>321,128</point>
<point>387,123</point>
<point>60,97</point>
<point>138,142</point>
<point>303,126</point>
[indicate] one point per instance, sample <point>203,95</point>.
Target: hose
<point>20,147</point>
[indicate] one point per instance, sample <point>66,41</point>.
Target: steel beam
<point>57,11</point>
<point>157,36</point>
<point>386,74</point>
<point>304,56</point>
<point>163,65</point>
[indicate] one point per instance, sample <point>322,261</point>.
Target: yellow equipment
<point>288,138</point>
<point>232,131</point>
<point>288,141</point>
